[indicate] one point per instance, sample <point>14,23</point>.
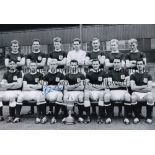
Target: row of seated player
<point>78,88</point>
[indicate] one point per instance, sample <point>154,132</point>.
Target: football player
<point>118,79</point>
<point>11,86</point>
<point>141,85</point>
<point>114,53</point>
<point>32,91</point>
<point>96,53</point>
<point>77,54</point>
<point>110,59</point>
<point>95,90</point>
<point>60,56</point>
<point>54,88</point>
<point>131,59</point>
<point>36,56</point>
<point>15,55</point>
<point>134,55</point>
<point>74,88</point>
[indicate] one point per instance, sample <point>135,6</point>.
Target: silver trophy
<point>70,119</point>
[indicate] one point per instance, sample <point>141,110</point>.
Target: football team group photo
<point>77,83</point>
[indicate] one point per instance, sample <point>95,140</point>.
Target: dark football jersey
<point>33,78</point>
<point>118,76</point>
<point>96,77</point>
<point>15,57</point>
<point>36,57</point>
<point>59,56</point>
<point>134,57</point>
<point>141,79</point>
<point>95,55</point>
<point>53,79</point>
<point>74,78</point>
<point>12,77</point>
<point>112,56</point>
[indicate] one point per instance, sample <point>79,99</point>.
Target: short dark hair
<point>14,42</point>
<point>36,40</point>
<point>140,60</point>
<point>12,60</point>
<point>74,61</point>
<point>77,39</point>
<point>117,58</point>
<point>95,60</point>
<point>57,39</point>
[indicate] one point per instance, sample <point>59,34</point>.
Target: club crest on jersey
<point>122,77</point>
<point>60,57</point>
<point>36,80</point>
<point>99,78</point>
<point>14,78</point>
<point>145,80</point>
<point>57,79</point>
<point>40,58</point>
<point>78,79</point>
<point>18,58</point>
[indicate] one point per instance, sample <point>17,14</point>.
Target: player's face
<point>57,45</point>
<point>76,45</point>
<point>14,47</point>
<point>114,46</point>
<point>96,44</point>
<point>140,65</point>
<point>53,65</point>
<point>33,67</point>
<point>117,63</point>
<point>73,66</point>
<point>36,46</point>
<point>12,65</point>
<point>133,46</point>
<point>96,65</point>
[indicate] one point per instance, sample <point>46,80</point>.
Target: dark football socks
<point>18,110</point>
<point>149,111</point>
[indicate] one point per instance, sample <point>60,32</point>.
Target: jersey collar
<point>36,52</point>
<point>96,50</point>
<point>135,51</point>
<point>95,71</point>
<point>12,71</point>
<point>117,69</point>
<point>57,50</point>
<point>14,52</point>
<point>114,51</point>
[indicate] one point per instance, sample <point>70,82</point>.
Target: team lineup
<point>88,79</point>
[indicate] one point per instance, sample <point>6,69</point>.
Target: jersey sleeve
<point>88,75</point>
<point>82,77</point>
<point>132,77</point>
<point>126,72</point>
<point>143,55</point>
<point>5,76</point>
<point>149,77</point>
<point>41,77</point>
<point>127,56</point>
<point>24,78</point>
<point>19,74</point>
<point>7,56</point>
<point>64,54</point>
<point>43,55</point>
<point>62,77</point>
<point>87,54</point>
<point>28,56</point>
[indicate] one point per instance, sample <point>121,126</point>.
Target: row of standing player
<point>82,57</point>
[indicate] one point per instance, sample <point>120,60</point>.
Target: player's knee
<point>86,103</point>
<point>127,97</point>
<point>101,94</point>
<point>134,98</point>
<point>107,97</point>
<point>60,97</point>
<point>150,99</point>
<point>12,103</point>
<point>86,95</point>
<point>81,98</point>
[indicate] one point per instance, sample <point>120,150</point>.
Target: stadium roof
<point>16,27</point>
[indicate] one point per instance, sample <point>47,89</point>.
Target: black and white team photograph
<point>77,77</point>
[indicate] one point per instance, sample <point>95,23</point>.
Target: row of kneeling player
<point>99,86</point>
